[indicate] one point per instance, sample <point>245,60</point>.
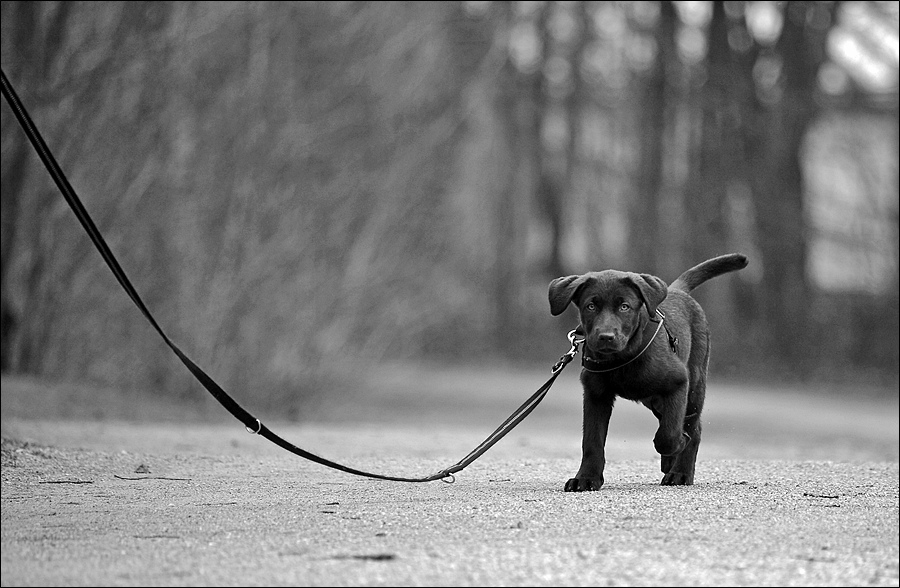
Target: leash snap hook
<point>574,341</point>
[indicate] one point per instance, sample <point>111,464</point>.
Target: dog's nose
<point>606,337</point>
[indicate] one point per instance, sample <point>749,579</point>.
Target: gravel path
<point>81,517</point>
<point>163,504</point>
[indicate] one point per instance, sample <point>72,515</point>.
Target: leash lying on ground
<point>253,424</point>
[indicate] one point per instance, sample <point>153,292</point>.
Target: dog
<point>645,342</point>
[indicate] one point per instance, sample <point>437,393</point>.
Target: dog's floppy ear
<point>652,290</point>
<point>562,290</point>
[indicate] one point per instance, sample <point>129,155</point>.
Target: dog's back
<point>707,270</point>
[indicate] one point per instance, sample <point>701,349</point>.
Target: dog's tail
<point>707,270</point>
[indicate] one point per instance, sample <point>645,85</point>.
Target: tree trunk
<point>784,296</point>
<point>655,111</point>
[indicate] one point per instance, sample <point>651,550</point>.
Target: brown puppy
<point>647,343</point>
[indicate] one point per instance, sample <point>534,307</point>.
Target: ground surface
<point>791,490</point>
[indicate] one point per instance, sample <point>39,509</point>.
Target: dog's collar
<point>589,364</point>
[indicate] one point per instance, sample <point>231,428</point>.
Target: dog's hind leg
<point>679,469</point>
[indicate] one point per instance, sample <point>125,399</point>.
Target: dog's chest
<point>632,386</point>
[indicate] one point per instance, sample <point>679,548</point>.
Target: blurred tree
<point>58,58</point>
<point>290,183</point>
<point>43,40</point>
<point>657,92</point>
<point>787,87</point>
<point>717,145</point>
<point>723,113</point>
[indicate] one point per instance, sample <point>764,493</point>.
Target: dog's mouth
<point>606,347</point>
<point>605,350</point>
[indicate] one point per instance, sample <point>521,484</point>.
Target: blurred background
<point>300,190</point>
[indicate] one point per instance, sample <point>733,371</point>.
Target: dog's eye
<point>625,307</point>
<point>591,307</point>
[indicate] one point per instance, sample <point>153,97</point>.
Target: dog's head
<point>609,303</point>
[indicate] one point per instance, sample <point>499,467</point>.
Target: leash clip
<point>574,341</point>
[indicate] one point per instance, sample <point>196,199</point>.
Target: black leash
<point>253,424</point>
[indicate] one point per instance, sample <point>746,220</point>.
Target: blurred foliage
<point>296,186</point>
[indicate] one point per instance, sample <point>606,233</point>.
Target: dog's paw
<point>670,446</point>
<point>677,479</point>
<point>583,484</point>
<point>666,462</point>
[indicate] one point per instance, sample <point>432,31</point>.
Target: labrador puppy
<point>644,342</point>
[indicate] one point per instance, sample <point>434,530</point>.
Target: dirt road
<point>789,492</point>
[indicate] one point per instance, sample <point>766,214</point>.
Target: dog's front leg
<point>672,439</point>
<point>597,410</point>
